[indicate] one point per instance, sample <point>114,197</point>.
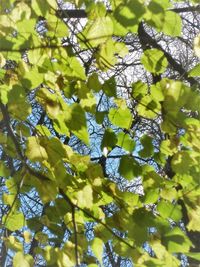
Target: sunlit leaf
<point>168,210</point>
<point>34,150</point>
<point>121,117</point>
<point>21,260</point>
<point>125,141</point>
<point>195,72</point>
<point>154,61</point>
<point>14,221</point>
<point>129,14</point>
<point>97,248</point>
<point>97,31</point>
<point>197,45</point>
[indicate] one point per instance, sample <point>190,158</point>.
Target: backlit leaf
<point>129,168</point>
<point>21,260</point>
<point>97,31</point>
<point>168,210</point>
<point>14,221</point>
<point>125,141</point>
<point>154,61</point>
<point>120,117</point>
<point>97,248</point>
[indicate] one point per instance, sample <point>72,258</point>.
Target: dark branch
<point>145,38</point>
<point>81,13</point>
<point>186,9</point>
<point>71,13</point>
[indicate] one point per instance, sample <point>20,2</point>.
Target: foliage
<point>63,103</point>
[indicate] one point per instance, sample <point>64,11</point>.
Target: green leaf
<point>140,89</point>
<point>74,68</point>
<point>94,83</point>
<point>105,57</point>
<point>197,45</point>
<point>163,20</point>
<point>129,168</point>
<point>125,141</point>
<point>100,115</point>
<point>2,61</point>
<point>80,162</point>
<point>172,24</point>
<point>97,248</point>
<point>97,31</point>
<point>194,217</point>
<point>76,122</point>
<point>195,71</point>
<point>96,10</point>
<point>11,184</point>
<point>154,61</point>
<point>50,101</point>
<point>37,56</point>
<point>138,225</point>
<point>10,199</point>
<point>168,210</point>
<point>43,130</point>
<point>120,117</point>
<point>169,147</point>
<point>148,107</point>
<point>39,8</point>
<point>87,99</point>
<point>34,150</point>
<point>17,99</point>
<point>54,148</point>
<point>176,95</point>
<point>193,255</point>
<point>129,14</point>
<point>118,29</point>
<point>109,139</point>
<point>169,193</point>
<point>85,197</point>
<point>109,87</point>
<point>148,148</point>
<point>183,161</point>
<point>27,237</point>
<point>123,250</point>
<point>152,196</point>
<point>31,78</point>
<point>13,243</point>
<point>21,260</point>
<point>94,172</point>
<point>56,27</point>
<point>14,221</point>
<point>63,259</point>
<point>47,190</point>
<point>177,241</point>
<point>20,12</point>
<point>164,257</point>
<point>4,171</point>
<point>41,237</point>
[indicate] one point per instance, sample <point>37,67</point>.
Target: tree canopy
<point>99,133</point>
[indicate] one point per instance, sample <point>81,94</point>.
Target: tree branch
<point>186,9</point>
<point>145,38</point>
<point>81,13</point>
